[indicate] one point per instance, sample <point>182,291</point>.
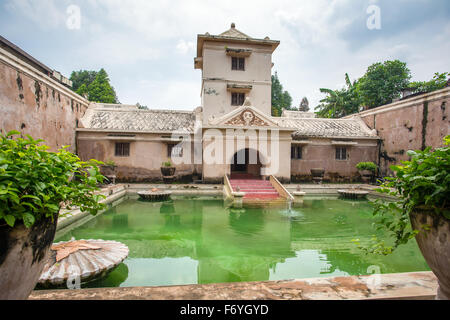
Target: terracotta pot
<point>108,170</point>
<point>168,171</point>
<point>435,246</point>
<point>317,175</point>
<point>23,254</point>
<point>317,172</point>
<point>366,175</point>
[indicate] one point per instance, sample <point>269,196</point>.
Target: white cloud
<point>110,48</point>
<point>135,39</point>
<point>170,94</point>
<point>185,47</point>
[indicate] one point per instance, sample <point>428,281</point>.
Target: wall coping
<point>24,67</point>
<point>398,286</point>
<point>426,97</point>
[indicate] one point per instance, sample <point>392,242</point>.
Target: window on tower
<point>237,63</point>
<point>237,99</point>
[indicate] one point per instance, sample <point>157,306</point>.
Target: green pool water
<point>189,241</point>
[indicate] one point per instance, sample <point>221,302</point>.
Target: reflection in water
<point>167,207</point>
<point>340,218</point>
<point>199,241</point>
<point>120,222</point>
<point>114,279</point>
<point>171,218</point>
<point>316,204</point>
<point>246,221</point>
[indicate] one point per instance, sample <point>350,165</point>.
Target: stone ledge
<point>413,285</point>
<point>112,193</point>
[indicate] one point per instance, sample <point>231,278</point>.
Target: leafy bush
<point>367,166</point>
<point>423,182</point>
<point>438,82</point>
<point>110,163</point>
<point>168,163</point>
<point>34,182</point>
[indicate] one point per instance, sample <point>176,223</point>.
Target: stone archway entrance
<point>246,163</point>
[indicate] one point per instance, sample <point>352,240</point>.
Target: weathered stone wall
<point>147,153</point>
<point>410,124</point>
<point>33,103</point>
<point>321,153</point>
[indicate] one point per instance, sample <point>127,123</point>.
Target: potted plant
<point>421,211</point>
<point>108,168</point>
<point>34,184</point>
<point>167,169</point>
<point>366,170</point>
<point>317,174</point>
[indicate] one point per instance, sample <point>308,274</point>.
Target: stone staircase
<point>255,189</point>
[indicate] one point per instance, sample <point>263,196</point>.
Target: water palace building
<point>232,131</point>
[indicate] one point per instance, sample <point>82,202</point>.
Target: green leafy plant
<point>421,183</point>
<point>281,99</point>
<point>35,183</point>
<point>110,163</point>
<point>438,82</point>
<point>367,166</point>
<point>382,83</point>
<point>167,163</point>
<point>341,102</point>
<point>95,85</point>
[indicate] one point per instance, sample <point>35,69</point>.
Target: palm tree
<point>339,103</point>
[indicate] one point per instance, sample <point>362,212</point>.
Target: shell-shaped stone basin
<point>83,265</point>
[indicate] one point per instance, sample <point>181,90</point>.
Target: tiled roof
<point>130,118</point>
<point>313,127</point>
<point>234,33</point>
<point>297,114</point>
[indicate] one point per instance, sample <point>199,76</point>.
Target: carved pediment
<point>247,118</point>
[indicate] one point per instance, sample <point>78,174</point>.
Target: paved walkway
<point>415,285</point>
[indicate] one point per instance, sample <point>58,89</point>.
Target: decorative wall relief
<point>247,118</point>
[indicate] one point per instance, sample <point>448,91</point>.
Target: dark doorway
<point>246,163</point>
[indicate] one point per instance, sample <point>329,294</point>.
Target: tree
<point>82,77</point>
<point>438,82</point>
<point>94,85</point>
<point>304,105</point>
<point>383,82</point>
<point>141,107</point>
<point>280,99</point>
<point>340,103</point>
<point>83,90</point>
<point>100,89</point>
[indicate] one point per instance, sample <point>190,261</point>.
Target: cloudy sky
<point>147,47</point>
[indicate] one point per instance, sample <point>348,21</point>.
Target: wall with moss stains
<point>36,104</point>
<point>410,124</point>
<point>321,153</point>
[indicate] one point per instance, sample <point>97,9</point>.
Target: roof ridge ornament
<point>233,25</point>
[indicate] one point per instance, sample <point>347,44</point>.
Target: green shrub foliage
<point>35,183</point>
<point>422,182</point>
<point>367,166</point>
<point>167,163</point>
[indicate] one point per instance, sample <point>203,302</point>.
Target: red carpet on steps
<point>254,188</point>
